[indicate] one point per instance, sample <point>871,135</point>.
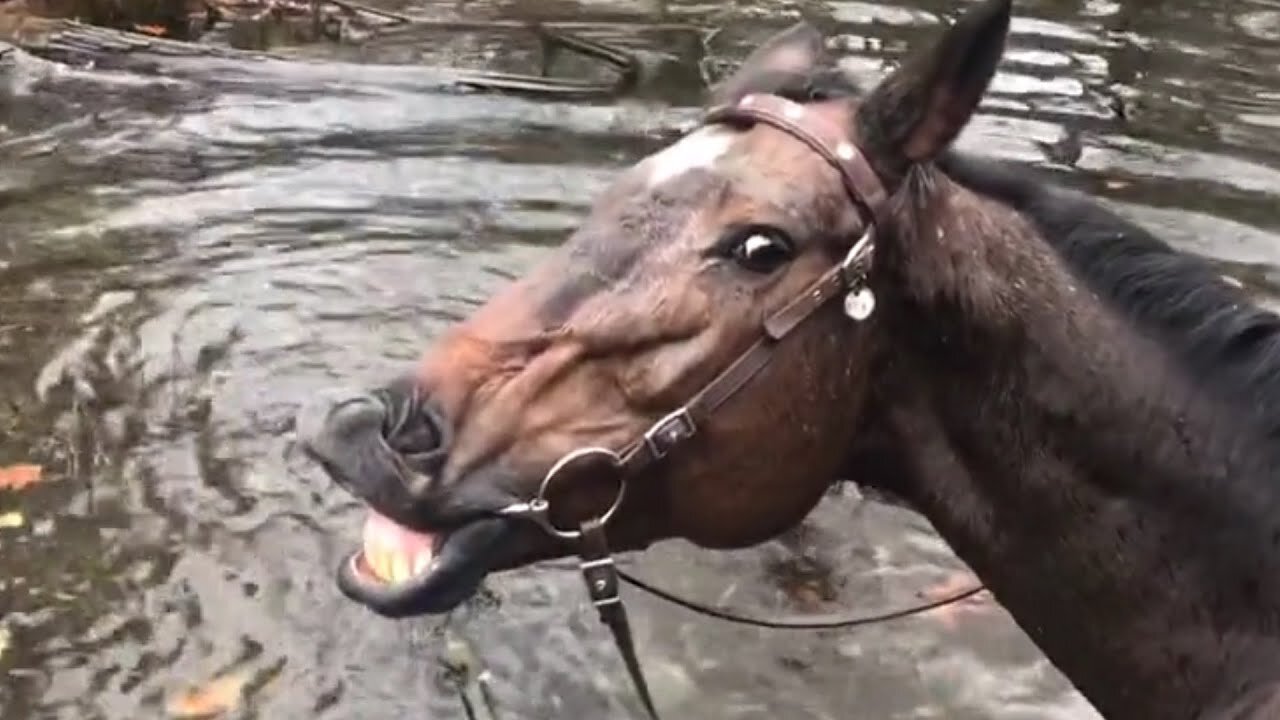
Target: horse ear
<point>785,61</point>
<point>915,112</point>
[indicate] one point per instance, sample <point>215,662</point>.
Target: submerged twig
<point>627,64</point>
<point>463,668</point>
<point>484,682</point>
<point>74,41</point>
<point>467,707</point>
<point>471,25</point>
<point>359,8</point>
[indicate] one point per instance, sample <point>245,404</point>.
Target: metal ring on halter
<point>538,509</point>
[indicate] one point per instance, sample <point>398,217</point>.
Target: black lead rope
<point>807,622</point>
<point>601,574</point>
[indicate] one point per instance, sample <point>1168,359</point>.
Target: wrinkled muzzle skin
<point>666,282</point>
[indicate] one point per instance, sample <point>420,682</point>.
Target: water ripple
<point>187,257</point>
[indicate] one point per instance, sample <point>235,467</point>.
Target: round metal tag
<point>860,304</point>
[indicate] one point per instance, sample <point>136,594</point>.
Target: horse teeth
<point>399,568</point>
<point>421,562</point>
<point>378,561</point>
<point>393,553</point>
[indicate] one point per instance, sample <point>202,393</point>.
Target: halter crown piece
<point>860,181</point>
<point>848,278</point>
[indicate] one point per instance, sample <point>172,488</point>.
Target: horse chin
<point>426,573</point>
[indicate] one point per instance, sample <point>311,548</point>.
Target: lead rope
<point>601,574</point>
<point>463,668</point>
<point>811,622</point>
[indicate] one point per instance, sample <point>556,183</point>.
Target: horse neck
<point>1073,465</point>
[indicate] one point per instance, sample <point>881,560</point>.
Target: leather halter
<point>861,183</point>
<point>848,278</point>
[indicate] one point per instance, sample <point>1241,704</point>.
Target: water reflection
<point>185,258</point>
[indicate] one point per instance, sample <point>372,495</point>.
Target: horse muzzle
<point>425,549</point>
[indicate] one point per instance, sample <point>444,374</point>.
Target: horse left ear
<point>786,61</point>
<point>915,112</point>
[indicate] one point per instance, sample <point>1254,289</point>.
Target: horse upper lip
<point>342,430</point>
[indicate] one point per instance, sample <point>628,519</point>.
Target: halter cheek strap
<point>848,278</point>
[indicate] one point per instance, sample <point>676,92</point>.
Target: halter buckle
<point>857,262</point>
<point>859,301</point>
<point>670,431</point>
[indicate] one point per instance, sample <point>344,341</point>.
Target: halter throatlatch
<point>848,278</point>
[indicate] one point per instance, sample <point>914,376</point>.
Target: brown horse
<point>1087,416</point>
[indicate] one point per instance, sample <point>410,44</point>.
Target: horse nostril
<point>416,430</point>
<point>387,443</point>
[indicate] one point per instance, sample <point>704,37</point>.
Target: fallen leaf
<point>17,477</point>
<point>1117,184</point>
<point>11,520</point>
<point>5,638</point>
<point>154,30</point>
<point>220,695</point>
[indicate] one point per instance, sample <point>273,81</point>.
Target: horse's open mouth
<point>399,572</point>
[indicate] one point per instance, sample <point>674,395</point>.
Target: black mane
<point>1221,337</point>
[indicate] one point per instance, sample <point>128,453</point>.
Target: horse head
<point>700,277</point>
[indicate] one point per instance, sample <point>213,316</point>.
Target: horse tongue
<point>394,552</point>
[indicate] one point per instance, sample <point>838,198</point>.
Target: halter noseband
<point>848,278</point>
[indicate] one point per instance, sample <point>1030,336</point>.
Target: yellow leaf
<point>220,695</point>
<point>11,520</point>
<point>5,638</point>
<point>17,477</point>
<point>1117,184</point>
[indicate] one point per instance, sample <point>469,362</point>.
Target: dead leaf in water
<point>152,30</point>
<point>11,520</point>
<point>17,477</point>
<point>220,695</point>
<point>1117,184</point>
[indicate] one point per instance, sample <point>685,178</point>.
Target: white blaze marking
<point>699,149</point>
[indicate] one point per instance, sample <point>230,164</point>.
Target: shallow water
<point>184,260</point>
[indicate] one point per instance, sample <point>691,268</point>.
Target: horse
<point>813,285</point>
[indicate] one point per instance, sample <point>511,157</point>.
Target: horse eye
<point>762,251</point>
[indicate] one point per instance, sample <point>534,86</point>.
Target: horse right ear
<point>785,61</point>
<point>915,112</point>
